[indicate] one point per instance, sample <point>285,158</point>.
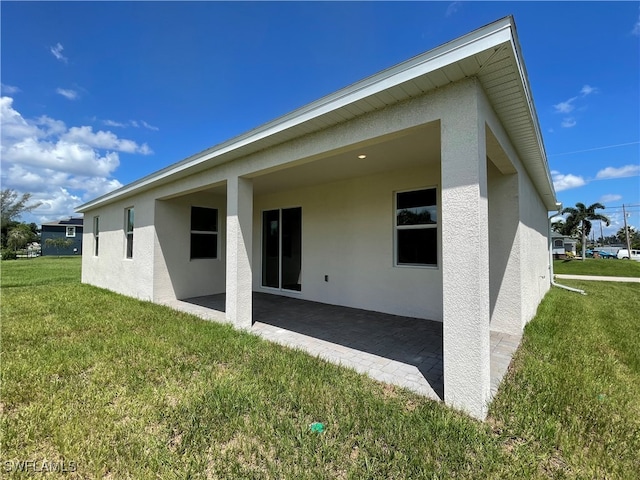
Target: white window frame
<point>205,232</point>
<point>70,231</point>
<point>96,235</point>
<point>397,227</point>
<point>128,233</point>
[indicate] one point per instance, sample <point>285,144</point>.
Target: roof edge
<point>370,85</point>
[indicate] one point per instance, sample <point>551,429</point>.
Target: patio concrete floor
<point>397,350</point>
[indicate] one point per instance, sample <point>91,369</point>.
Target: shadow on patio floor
<point>410,341</point>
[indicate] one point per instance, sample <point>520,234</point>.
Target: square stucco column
<point>239,250</point>
<point>465,256</point>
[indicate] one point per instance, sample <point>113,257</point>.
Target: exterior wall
<point>348,234</point>
<point>60,231</point>
<point>504,251</point>
<point>534,228</point>
<point>528,266</point>
<point>175,275</point>
<point>110,269</point>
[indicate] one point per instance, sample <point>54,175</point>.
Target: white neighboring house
<point>421,191</point>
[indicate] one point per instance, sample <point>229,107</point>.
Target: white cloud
<point>611,197</point>
<point>56,51</point>
<point>566,106</point>
<point>112,123</point>
<point>636,28</point>
<point>569,106</point>
<point>565,182</point>
<point>60,166</point>
<point>8,89</point>
<point>130,123</point>
<point>67,93</point>
<point>103,140</point>
<point>453,8</point>
<point>621,172</point>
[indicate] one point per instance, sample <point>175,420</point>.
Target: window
<point>416,227</point>
<point>96,234</point>
<point>558,243</point>
<point>128,230</point>
<point>204,232</point>
<point>71,231</point>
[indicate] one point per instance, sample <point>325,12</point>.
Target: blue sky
<point>98,94</point>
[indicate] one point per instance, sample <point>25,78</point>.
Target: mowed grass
<point>608,267</point>
<point>129,389</point>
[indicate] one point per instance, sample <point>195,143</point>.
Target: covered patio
<point>397,350</point>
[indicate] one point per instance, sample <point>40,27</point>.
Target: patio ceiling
<point>419,147</point>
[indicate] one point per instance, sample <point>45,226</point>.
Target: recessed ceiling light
<point>362,156</point>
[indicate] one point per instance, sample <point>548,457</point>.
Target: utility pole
<point>601,234</point>
<point>626,230</point>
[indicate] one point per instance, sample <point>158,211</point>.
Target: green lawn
<point>598,266</point>
<point>129,389</point>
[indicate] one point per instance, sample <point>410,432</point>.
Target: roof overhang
<point>491,53</point>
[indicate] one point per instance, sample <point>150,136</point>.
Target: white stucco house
<point>422,191</point>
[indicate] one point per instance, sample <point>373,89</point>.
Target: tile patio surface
<point>398,350</point>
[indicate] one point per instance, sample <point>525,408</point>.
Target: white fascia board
<point>484,38</point>
<point>522,71</point>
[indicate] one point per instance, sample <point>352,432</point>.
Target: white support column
<point>239,302</point>
<point>465,255</point>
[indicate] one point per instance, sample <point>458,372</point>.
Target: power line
<point>593,149</point>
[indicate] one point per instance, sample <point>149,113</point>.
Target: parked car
<point>605,254</point>
<point>624,253</point>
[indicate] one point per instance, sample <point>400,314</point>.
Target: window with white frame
<point>416,228</point>
<point>71,231</point>
<point>96,235</point>
<point>128,230</point>
<point>204,232</point>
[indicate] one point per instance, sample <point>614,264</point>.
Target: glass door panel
<point>292,249</point>
<point>271,248</point>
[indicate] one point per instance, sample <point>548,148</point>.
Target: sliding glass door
<point>282,249</point>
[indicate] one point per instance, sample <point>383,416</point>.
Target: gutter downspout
<point>553,282</point>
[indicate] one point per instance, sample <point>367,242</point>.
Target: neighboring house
<point>421,191</point>
<point>70,229</point>
<point>563,246</point>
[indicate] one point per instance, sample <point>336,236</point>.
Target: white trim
<point>96,235</point>
<point>127,232</point>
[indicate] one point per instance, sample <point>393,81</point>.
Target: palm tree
<point>580,217</point>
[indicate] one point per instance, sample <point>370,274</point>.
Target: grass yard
<point>129,389</point>
<point>598,266</point>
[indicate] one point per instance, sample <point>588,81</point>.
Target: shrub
<point>9,254</point>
